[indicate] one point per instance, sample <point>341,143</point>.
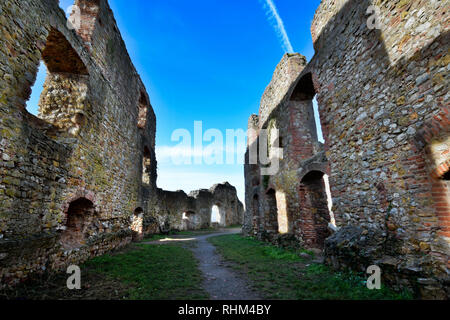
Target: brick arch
<point>314,213</point>
<point>302,128</point>
<point>80,223</point>
<point>436,164</point>
<point>314,166</point>
<point>67,80</point>
<point>304,89</point>
<point>80,193</point>
<point>60,57</point>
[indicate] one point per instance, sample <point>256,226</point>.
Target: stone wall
<point>180,211</point>
<point>275,202</point>
<point>384,110</point>
<point>86,146</point>
<point>80,179</point>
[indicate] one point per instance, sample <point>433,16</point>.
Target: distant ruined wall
<point>384,110</point>
<point>175,210</point>
<point>70,180</point>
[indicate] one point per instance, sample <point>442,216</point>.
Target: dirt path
<point>221,282</point>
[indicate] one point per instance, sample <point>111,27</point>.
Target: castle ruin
<point>79,180</point>
<point>376,192</point>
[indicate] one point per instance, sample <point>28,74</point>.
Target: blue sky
<point>205,60</point>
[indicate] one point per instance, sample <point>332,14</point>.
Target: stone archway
<point>217,216</point>
<point>80,224</point>
<point>67,79</point>
<point>189,220</point>
<point>314,210</point>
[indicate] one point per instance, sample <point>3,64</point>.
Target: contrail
<point>279,26</point>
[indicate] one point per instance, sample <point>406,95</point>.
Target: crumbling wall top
<point>285,74</point>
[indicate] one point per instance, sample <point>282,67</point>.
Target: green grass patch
<point>137,272</point>
<point>166,272</point>
<point>282,274</point>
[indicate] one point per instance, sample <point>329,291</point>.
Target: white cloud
<point>278,24</point>
<point>178,155</point>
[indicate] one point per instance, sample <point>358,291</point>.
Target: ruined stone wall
<point>86,143</point>
<point>176,210</point>
<point>274,202</point>
<point>384,109</point>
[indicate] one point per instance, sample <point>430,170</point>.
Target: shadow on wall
<point>67,80</point>
<point>409,62</point>
<point>399,77</point>
<point>396,64</point>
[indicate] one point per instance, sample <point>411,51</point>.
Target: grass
<point>166,272</point>
<point>283,274</point>
<point>141,272</point>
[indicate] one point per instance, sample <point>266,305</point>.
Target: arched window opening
<point>146,166</point>
<point>62,97</point>
<point>81,224</point>
<point>143,111</point>
<point>303,105</point>
<point>137,224</point>
<point>188,220</point>
<point>215,215</point>
<point>314,209</point>
<point>271,216</point>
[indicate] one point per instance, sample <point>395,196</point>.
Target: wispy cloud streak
<point>278,24</point>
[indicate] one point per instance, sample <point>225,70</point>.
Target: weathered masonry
<point>377,190</point>
<point>79,179</point>
<point>179,211</point>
